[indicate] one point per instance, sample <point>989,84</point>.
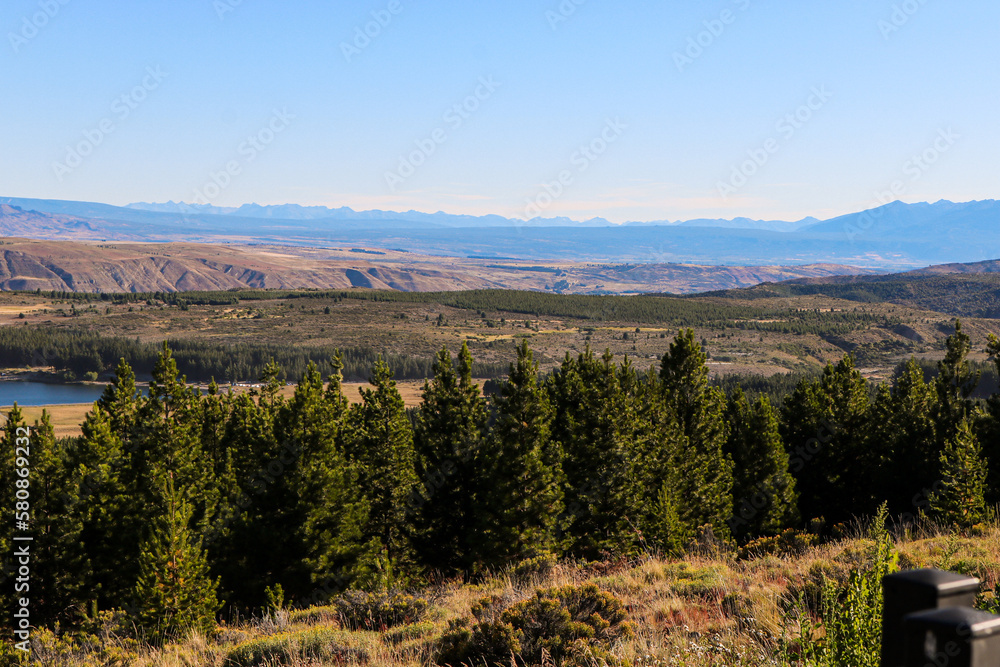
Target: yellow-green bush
<point>325,614</point>
<point>569,625</point>
<point>318,643</point>
<point>688,581</point>
<point>408,633</point>
<point>530,568</point>
<point>79,650</point>
<point>359,610</point>
<point>791,542</point>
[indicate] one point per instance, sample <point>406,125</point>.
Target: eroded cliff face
<point>170,267</point>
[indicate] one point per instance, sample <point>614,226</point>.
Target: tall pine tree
<point>448,436</point>
<point>332,506</point>
<point>824,426</point>
<point>960,501</point>
<point>168,442</point>
<point>595,422</point>
<point>955,384</point>
<point>379,439</point>
<point>703,472</point>
<point>902,437</point>
<point>766,500</point>
<point>58,565</point>
<point>523,469</point>
<point>120,401</point>
<point>99,501</point>
<point>174,590</point>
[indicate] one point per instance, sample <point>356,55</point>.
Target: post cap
<point>970,622</point>
<point>942,581</point>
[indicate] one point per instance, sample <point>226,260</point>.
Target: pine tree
<point>665,531</point>
<point>955,384</point>
<point>448,437</point>
<point>279,450</point>
<point>824,425</point>
<point>379,439</point>
<point>903,438</point>
<point>337,552</point>
<point>523,469</point>
<point>260,447</point>
<point>215,410</point>
<point>58,565</point>
<point>959,500</point>
<point>168,442</point>
<point>270,385</point>
<point>988,430</point>
<point>595,421</point>
<point>14,421</point>
<point>703,472</point>
<point>99,500</point>
<point>214,415</point>
<point>764,490</point>
<point>174,590</point>
<point>120,401</point>
<point>59,587</point>
<point>332,508</point>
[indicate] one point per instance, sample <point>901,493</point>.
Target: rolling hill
<point>72,266</point>
<point>961,290</point>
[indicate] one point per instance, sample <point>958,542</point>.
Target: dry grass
<point>66,419</point>
<point>698,611</point>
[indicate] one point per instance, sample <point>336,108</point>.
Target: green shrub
<point>989,600</point>
<point>850,627</point>
<point>358,610</point>
<point>564,626</point>
<point>691,582</point>
<point>531,568</point>
<point>789,543</point>
<point>810,591</point>
<point>10,655</point>
<point>314,615</point>
<point>287,647</point>
<point>77,649</point>
<point>407,633</point>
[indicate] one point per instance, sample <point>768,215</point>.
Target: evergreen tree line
<point>177,505</point>
<point>81,354</point>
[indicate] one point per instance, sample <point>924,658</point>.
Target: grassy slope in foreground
<point>700,611</point>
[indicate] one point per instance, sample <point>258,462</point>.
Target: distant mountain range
<point>441,219</point>
<point>322,213</point>
<point>893,237</point>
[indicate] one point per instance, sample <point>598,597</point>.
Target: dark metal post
<point>914,591</point>
<point>955,637</point>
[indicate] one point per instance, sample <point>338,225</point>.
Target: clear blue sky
<point>896,82</point>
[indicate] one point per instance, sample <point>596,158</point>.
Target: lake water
<point>41,393</point>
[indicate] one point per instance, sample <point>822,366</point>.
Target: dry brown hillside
<point>169,267</point>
